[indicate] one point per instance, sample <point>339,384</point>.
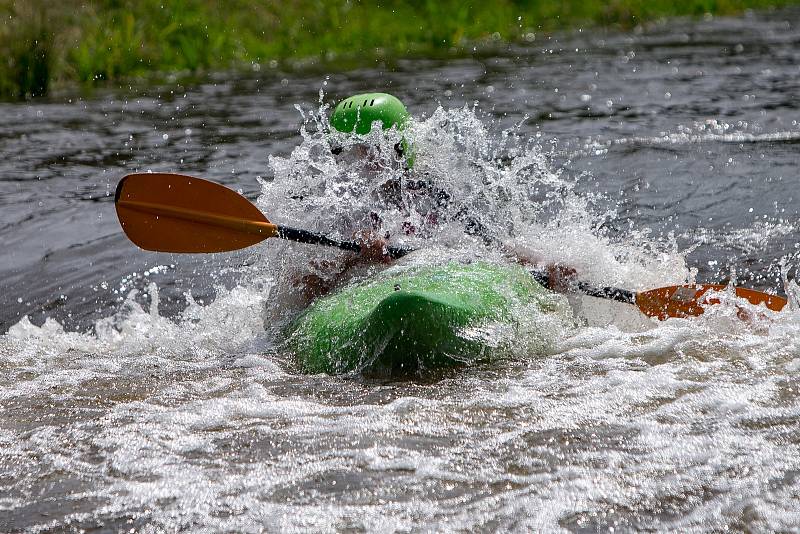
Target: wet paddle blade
<point>688,300</point>
<point>167,212</point>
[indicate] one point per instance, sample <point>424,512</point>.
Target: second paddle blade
<point>689,300</point>
<point>175,213</point>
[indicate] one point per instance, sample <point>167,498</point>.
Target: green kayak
<point>410,319</point>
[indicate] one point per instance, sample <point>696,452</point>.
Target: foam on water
<point>195,422</point>
<point>130,341</point>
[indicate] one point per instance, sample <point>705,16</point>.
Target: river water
<point>147,392</point>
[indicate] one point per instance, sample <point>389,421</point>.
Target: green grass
<point>26,52</point>
<point>44,42</point>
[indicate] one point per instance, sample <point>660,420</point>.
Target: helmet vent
<point>372,102</point>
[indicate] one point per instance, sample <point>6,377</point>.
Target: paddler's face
<point>375,162</point>
<point>349,155</point>
<point>366,157</point>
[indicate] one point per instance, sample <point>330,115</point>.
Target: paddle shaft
<point>313,238</point>
<point>608,293</point>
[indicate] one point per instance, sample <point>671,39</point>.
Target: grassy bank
<point>44,42</point>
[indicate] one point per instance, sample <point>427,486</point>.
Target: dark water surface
<point>682,140</point>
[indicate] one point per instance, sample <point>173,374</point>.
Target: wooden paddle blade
<point>688,300</point>
<point>176,213</point>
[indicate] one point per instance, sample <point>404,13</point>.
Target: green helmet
<point>358,112</point>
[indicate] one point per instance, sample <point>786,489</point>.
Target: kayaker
<point>403,190</point>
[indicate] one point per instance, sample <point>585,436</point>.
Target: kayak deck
<point>410,319</point>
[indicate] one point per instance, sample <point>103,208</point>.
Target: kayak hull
<point>408,320</point>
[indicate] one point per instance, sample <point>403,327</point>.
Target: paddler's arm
<point>373,251</point>
<point>560,277</point>
<point>313,285</point>
<point>374,246</point>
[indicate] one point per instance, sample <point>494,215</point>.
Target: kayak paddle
<point>166,212</point>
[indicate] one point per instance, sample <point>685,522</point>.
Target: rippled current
<point>149,392</point>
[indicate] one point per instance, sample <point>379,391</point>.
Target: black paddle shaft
<point>313,238</point>
<point>609,293</point>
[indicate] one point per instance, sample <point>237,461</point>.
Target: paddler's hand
<point>561,278</point>
<point>373,249</point>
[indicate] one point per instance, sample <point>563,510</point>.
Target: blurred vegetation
<point>44,42</point>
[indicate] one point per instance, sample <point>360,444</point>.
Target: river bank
<point>47,44</point>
